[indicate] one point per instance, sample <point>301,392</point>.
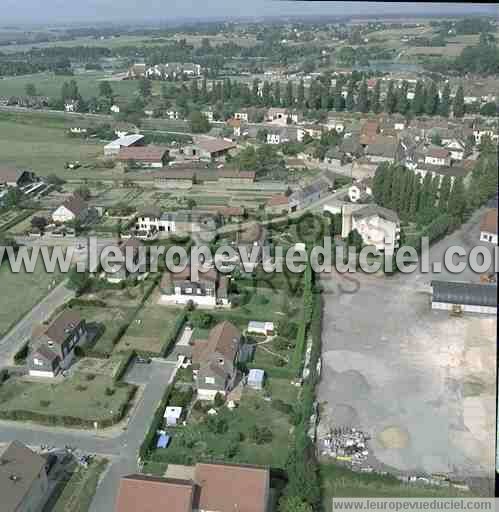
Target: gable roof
<point>68,320</point>
<point>471,294</point>
<point>151,494</point>
<point>214,145</point>
<point>19,469</point>
<point>375,210</point>
<point>489,221</point>
<point>227,488</point>
<point>223,339</point>
<point>75,204</point>
<point>142,153</point>
<point>10,174</point>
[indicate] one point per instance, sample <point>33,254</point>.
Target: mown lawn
<point>83,397</point>
<point>21,291</point>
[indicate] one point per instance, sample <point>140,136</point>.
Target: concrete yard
<point>420,382</point>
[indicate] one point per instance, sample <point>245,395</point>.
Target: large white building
<point>113,148</point>
<point>377,226</point>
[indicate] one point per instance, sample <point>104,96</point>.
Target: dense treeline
<point>436,201</point>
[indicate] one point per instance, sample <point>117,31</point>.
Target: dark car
<point>51,461</point>
<point>144,360</point>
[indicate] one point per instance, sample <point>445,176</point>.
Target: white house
<point>152,221</point>
<point>256,379</point>
<point>488,227</point>
<point>115,109</point>
<point>241,116</point>
<point>456,149</point>
<point>486,131</point>
<point>74,208</point>
<point>377,226</point>
<point>208,114</point>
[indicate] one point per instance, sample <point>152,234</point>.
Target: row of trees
<point>401,190</point>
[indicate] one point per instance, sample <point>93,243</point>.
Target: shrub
<point>261,435</point>
<point>110,391</point>
<point>81,387</point>
<point>219,400</point>
<point>44,403</point>
<point>90,377</point>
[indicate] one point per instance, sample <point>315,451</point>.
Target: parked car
<point>144,360</point>
<point>51,462</point>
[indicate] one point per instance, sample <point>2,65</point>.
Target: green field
<point>49,84</point>
<point>13,304</point>
<point>45,150</point>
<point>82,397</point>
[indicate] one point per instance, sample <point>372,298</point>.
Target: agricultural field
<point>45,150</point>
<point>83,397</point>
<point>49,84</point>
<point>12,217</point>
<point>13,305</point>
<point>25,225</point>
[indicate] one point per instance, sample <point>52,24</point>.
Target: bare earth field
<point>421,382</point>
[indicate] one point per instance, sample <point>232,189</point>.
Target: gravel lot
<point>420,382</point>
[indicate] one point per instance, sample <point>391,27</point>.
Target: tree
<point>444,109</point>
<point>78,281</point>
<point>84,192</point>
<point>354,239</point>
<point>261,435</point>
<point>277,94</point>
<point>376,104</point>
<point>350,99</point>
<point>289,98</point>
<point>293,504</point>
<point>30,89</point>
<point>301,93</point>
<point>419,100</point>
<point>458,107</point>
<point>363,100</point>
<point>105,90</point>
<point>457,199</point>
<point>489,109</point>
<point>198,123</point>
<point>145,88</point>
<point>39,223</point>
<point>431,101</point>
<point>261,135</point>
<point>444,193</point>
<point>436,139</point>
<point>266,94</point>
<point>402,105</point>
<point>391,98</point>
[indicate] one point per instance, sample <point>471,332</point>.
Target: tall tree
<point>254,90</point>
<point>418,100</point>
<point>376,99</point>
<point>266,94</point>
<point>402,102</point>
<point>277,94</point>
<point>457,199</point>
<point>301,93</point>
<point>443,201</point>
<point>431,102</point>
<point>145,88</point>
<point>458,107</point>
<point>363,100</point>
<point>289,98</point>
<point>414,202</point>
<point>391,98</point>
<point>350,100</point>
<point>338,100</point>
<point>387,187</point>
<point>444,108</point>
<point>105,90</point>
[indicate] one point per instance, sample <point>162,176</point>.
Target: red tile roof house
<point>147,157</point>
<point>53,350</point>
<point>277,204</point>
<point>215,361</point>
<point>208,290</point>
<point>213,148</point>
<point>74,208</point>
<point>211,488</point>
<point>488,227</point>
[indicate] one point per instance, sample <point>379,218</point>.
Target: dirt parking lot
<point>421,382</point>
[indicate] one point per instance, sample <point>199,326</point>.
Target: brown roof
<point>9,174</point>
<point>370,128</point>
<point>19,470</point>
<point>233,173</point>
<point>437,152</point>
<point>226,488</point>
<point>185,275</point>
<point>67,320</point>
<point>142,153</point>
<point>75,204</point>
<point>45,352</point>
<point>227,211</point>
<point>489,221</point>
<point>150,494</point>
<point>277,200</point>
<point>223,338</point>
<point>215,145</point>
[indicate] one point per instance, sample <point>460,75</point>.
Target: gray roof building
<point>470,294</point>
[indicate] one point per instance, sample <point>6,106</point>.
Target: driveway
<point>420,382</point>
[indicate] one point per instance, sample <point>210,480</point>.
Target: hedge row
<point>170,340</point>
<point>124,363</point>
<point>68,421</point>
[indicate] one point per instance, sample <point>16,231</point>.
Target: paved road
<point>13,340</point>
<point>120,446</point>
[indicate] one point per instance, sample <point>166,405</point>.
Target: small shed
<point>261,328</point>
<point>172,415</point>
<point>256,379</point>
<point>163,441</point>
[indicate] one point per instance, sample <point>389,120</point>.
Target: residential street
<point>121,447</point>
